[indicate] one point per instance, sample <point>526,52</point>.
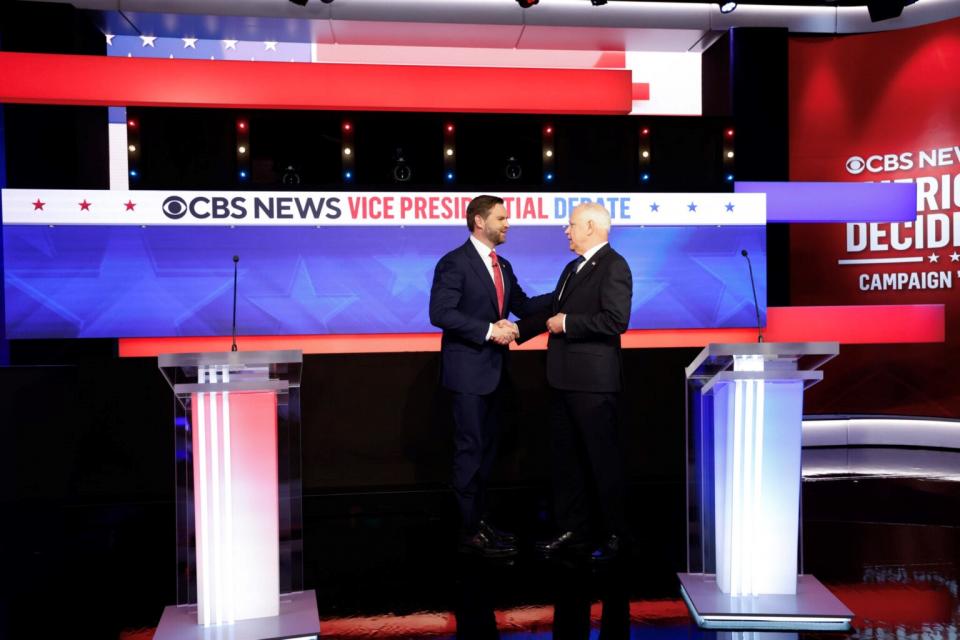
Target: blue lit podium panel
<point>744,417</point>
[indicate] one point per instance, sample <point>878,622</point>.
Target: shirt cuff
<point>489,332</point>
<point>564,323</point>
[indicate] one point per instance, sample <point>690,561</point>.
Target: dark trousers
<point>476,432</point>
<point>587,461</point>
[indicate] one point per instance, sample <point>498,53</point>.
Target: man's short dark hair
<point>481,206</point>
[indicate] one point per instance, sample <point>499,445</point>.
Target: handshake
<point>504,332</point>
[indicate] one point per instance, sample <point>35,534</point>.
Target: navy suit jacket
<point>463,302</point>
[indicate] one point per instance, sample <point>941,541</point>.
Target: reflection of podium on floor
<point>239,546</point>
<point>744,418</point>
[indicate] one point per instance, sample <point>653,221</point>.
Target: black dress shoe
<point>609,550</point>
<point>568,541</point>
<point>481,544</point>
<point>499,535</point>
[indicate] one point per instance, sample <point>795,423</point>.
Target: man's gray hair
<point>597,213</point>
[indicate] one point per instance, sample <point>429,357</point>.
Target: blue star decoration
<point>654,207</point>
<point>729,206</point>
<point>691,207</point>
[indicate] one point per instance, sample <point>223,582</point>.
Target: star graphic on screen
<point>729,206</point>
<point>109,37</point>
<point>410,270</point>
<point>270,45</point>
<point>654,207</point>
<point>189,43</point>
<point>129,204</point>
<point>230,44</point>
<point>85,206</point>
<point>692,207</point>
<point>955,257</point>
<point>38,205</point>
<point>933,258</point>
<point>148,41</point>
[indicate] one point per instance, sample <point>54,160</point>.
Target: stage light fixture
<point>291,177</point>
<point>645,177</point>
<point>241,149</point>
<point>133,173</point>
<point>548,153</point>
<point>449,176</point>
<point>401,170</point>
<point>598,3</point>
<point>513,170</point>
<point>526,4</point>
<point>549,177</point>
<point>347,126</point>
<point>886,9</point>
<point>727,6</point>
<point>729,154</point>
<point>243,175</point>
<point>449,152</point>
<point>729,133</point>
<point>729,177</point>
<point>132,148</point>
<point>348,175</point>
<point>131,123</point>
<point>347,151</point>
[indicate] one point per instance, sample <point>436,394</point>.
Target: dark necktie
<point>497,280</point>
<point>573,271</point>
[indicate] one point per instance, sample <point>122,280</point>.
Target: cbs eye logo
<point>855,165</point>
<point>175,207</point>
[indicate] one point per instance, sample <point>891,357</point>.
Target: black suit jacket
<point>597,301</point>
<point>463,302</point>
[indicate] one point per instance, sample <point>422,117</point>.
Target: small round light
<point>347,151</point>
<point>729,154</point>
<point>133,173</point>
<point>449,128</point>
<point>549,177</point>
<point>347,126</point>
<point>729,177</point>
<point>241,149</point>
<point>243,174</point>
<point>548,130</point>
<point>645,177</point>
<point>549,153</point>
<point>645,131</point>
<point>449,152</point>
<point>131,123</point>
<point>347,175</point>
<point>132,148</point>
<point>645,154</point>
<point>729,133</point>
<point>241,124</point>
<point>449,175</point>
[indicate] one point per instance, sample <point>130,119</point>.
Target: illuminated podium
<point>239,538</point>
<point>744,420</point>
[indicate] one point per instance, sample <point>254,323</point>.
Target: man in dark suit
<point>590,309</point>
<point>474,291</point>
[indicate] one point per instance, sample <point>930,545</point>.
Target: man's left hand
<point>555,324</point>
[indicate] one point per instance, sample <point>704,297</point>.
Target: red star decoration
<point>85,206</point>
<point>129,204</point>
<point>38,205</point>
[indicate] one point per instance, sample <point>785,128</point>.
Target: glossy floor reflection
<point>889,548</point>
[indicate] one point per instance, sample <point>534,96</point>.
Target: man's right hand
<point>504,332</point>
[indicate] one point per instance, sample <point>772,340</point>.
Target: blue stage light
<point>133,173</point>
<point>549,177</point>
<point>450,176</point>
<point>348,175</point>
<point>645,177</point>
<point>243,175</point>
<point>729,177</point>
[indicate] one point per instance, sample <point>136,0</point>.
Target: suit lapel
<point>585,271</point>
<point>480,268</point>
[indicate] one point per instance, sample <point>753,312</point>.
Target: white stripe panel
<point>117,152</point>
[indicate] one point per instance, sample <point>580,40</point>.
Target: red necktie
<point>497,280</point>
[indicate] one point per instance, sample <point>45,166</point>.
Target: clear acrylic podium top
<point>248,371</point>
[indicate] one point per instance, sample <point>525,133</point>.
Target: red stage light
<point>449,128</point>
<point>347,126</point>
<point>131,123</point>
<point>729,133</point>
<point>645,131</point>
<point>548,130</point>
<point>241,124</point>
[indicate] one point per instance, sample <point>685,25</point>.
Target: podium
<point>239,541</point>
<point>744,420</point>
